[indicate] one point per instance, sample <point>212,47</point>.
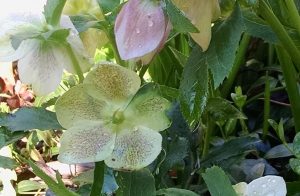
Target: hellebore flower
<point>109,118</point>
<point>201,13</point>
<point>141,29</point>
<point>42,51</point>
<point>267,185</point>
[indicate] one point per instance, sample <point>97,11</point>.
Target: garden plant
<point>150,97</point>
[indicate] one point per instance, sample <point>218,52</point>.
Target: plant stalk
<point>266,106</point>
<point>294,14</point>
<point>240,58</point>
<point>75,63</point>
<point>280,31</point>
<point>290,77</point>
<point>98,179</point>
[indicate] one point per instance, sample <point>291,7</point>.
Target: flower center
<point>118,117</point>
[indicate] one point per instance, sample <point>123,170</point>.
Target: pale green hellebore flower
<point>40,49</point>
<point>263,186</point>
<point>109,117</point>
<point>201,13</point>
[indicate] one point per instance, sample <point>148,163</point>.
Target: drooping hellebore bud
<point>201,13</point>
<point>141,29</point>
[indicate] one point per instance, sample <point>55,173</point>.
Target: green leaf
<point>293,188</point>
<point>257,27</point>
<point>7,163</point>
<point>57,186</point>
<point>175,192</point>
<point>217,182</point>
<point>181,23</point>
<point>108,5</point>
<point>109,184</point>
<point>178,150</point>
<point>220,55</point>
<point>182,59</point>
<point>58,35</point>
<point>7,137</point>
<point>279,151</point>
<point>230,149</point>
<point>221,110</point>
<point>165,69</point>
<point>29,185</point>
<point>295,165</point>
<point>194,86</point>
<point>296,145</point>
<point>168,93</point>
<point>278,128</point>
<point>30,118</point>
<point>84,22</point>
<point>136,183</point>
<point>53,10</point>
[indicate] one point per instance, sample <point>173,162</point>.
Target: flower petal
<point>241,188</point>
<point>210,11</point>
<point>13,30</point>
<point>139,28</point>
<point>76,105</point>
<point>112,82</point>
<point>135,149</point>
<point>87,141</point>
<point>146,59</point>
<point>267,185</point>
<point>77,47</point>
<point>41,69</point>
<point>148,109</point>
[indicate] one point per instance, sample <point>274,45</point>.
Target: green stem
<point>280,31</point>
<point>240,58</point>
<point>293,13</point>
<point>266,106</point>
<point>98,179</point>
<point>262,93</point>
<point>75,63</point>
<point>290,77</point>
<point>208,134</point>
<point>56,13</point>
<point>143,70</point>
<point>270,55</point>
<point>112,41</point>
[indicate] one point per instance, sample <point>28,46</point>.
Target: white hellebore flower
<point>7,175</point>
<point>263,186</point>
<point>42,51</point>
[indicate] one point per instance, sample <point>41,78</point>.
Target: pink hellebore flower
<point>141,30</point>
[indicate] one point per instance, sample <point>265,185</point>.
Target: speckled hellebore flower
<point>41,50</point>
<point>201,13</point>
<point>141,29</point>
<point>109,117</point>
<point>267,185</point>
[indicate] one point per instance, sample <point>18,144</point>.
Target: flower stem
<point>240,58</point>
<point>293,13</point>
<point>98,179</point>
<point>266,106</point>
<point>112,41</point>
<point>208,134</point>
<point>290,77</point>
<point>56,12</point>
<point>280,31</point>
<point>262,93</point>
<point>75,63</point>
